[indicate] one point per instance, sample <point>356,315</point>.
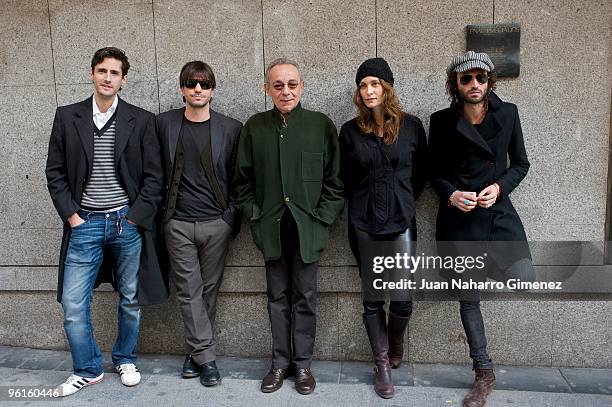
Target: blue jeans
<point>101,232</point>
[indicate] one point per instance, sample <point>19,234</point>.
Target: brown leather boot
<point>482,387</point>
<point>376,326</point>
<point>395,329</point>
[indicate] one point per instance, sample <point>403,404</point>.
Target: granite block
<point>36,278</point>
<point>531,379</point>
<point>519,332</point>
<point>242,327</point>
<point>33,246</point>
<point>125,24</point>
<point>446,376</point>
<point>419,48</point>
<point>581,334</point>
<point>244,279</point>
<point>242,250</point>
<point>8,281</point>
<point>327,344</point>
<point>329,39</point>
<point>326,371</point>
<point>435,333</point>
<point>24,27</point>
<point>569,153</point>
<point>594,381</point>
<point>236,56</point>
<point>40,327</point>
<point>243,368</point>
<point>354,344</point>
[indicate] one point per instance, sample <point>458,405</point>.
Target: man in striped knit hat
<point>477,158</point>
<point>105,179</point>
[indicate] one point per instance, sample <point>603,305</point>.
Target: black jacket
<point>224,136</point>
<point>382,182</point>
<point>137,162</point>
<point>460,159</point>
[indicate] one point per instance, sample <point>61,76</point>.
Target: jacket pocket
<point>312,166</point>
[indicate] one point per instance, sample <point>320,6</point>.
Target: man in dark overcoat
<point>469,147</point>
<point>105,179</point>
<point>199,154</point>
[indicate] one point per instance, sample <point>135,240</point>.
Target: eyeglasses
<point>482,78</point>
<point>278,86</point>
<point>192,83</point>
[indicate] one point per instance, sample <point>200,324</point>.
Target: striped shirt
<point>103,189</point>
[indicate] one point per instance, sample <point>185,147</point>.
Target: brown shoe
<point>376,326</point>
<point>395,329</point>
<point>273,380</point>
<point>304,381</point>
<point>482,387</point>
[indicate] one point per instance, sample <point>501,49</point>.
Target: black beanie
<point>377,67</point>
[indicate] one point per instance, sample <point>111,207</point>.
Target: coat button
<point>489,162</point>
<point>287,199</point>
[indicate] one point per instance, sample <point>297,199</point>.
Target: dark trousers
<point>473,324</point>
<point>292,300</point>
<point>196,251</point>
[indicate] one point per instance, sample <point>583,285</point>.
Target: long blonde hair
<point>393,114</point>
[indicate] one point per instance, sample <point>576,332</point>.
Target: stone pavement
<point>338,384</point>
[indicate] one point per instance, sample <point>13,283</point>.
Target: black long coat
<point>460,159</point>
<point>138,165</point>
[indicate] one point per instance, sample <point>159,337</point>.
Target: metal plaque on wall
<point>502,42</point>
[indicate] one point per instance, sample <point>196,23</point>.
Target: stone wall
<point>563,95</point>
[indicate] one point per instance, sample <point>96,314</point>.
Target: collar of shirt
<point>100,118</point>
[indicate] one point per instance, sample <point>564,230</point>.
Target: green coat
<point>294,166</point>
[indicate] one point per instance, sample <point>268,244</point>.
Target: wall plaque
<point>501,41</point>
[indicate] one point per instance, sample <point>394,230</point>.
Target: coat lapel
<point>83,121</point>
<point>494,104</point>
<point>216,136</point>
<point>125,128</point>
<point>174,130</point>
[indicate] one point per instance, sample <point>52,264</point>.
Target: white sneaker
<point>130,376</point>
<point>75,383</point>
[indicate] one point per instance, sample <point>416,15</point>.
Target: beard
<point>473,100</point>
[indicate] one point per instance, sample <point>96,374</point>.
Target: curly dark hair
<point>111,52</point>
<point>453,91</point>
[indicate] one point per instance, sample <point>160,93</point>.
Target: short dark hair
<point>197,69</point>
<point>111,52</point>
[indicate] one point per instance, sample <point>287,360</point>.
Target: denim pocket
<point>81,224</point>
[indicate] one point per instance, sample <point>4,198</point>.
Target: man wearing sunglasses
<point>288,186</point>
<point>104,177</point>
<point>469,147</point>
<point>199,217</point>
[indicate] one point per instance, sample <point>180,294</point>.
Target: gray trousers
<point>292,301</point>
<point>196,251</point>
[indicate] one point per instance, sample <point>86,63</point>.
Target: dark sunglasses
<point>482,78</point>
<point>192,83</point>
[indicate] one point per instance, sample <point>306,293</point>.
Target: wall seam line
<point>493,11</point>
<point>155,53</point>
<point>376,28</point>
<point>263,51</point>
<point>52,53</point>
